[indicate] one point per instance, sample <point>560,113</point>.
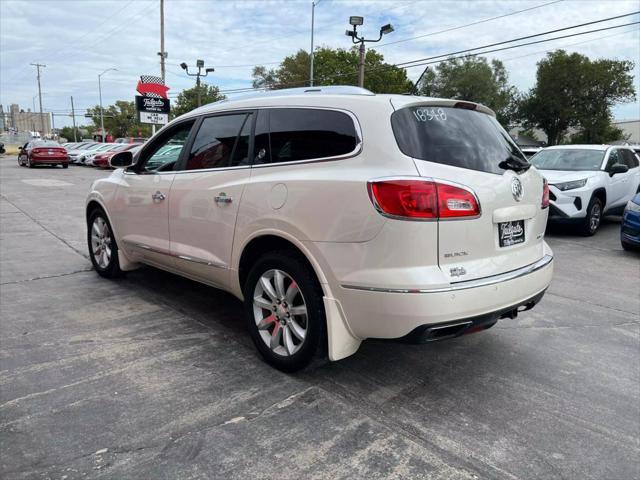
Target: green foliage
<point>333,67</point>
<point>573,91</point>
<point>120,120</point>
<point>67,132</point>
<point>473,79</point>
<point>188,99</point>
<point>604,132</point>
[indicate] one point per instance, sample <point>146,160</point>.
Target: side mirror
<point>618,168</point>
<point>121,160</point>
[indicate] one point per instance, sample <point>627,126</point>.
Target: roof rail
<point>327,90</point>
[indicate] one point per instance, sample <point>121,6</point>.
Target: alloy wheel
<point>596,214</point>
<point>101,242</point>
<point>280,312</point>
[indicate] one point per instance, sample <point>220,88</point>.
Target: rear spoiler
<point>439,102</point>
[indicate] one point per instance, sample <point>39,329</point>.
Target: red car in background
<point>43,152</point>
<point>102,159</point>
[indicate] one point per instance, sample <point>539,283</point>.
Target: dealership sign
<point>152,104</point>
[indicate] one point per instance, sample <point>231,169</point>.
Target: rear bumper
<point>394,313</point>
<point>49,160</point>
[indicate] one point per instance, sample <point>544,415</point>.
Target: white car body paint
<point>381,277</point>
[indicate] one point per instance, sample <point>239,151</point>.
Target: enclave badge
<point>516,189</point>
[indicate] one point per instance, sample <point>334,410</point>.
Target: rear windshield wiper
<point>514,163</point>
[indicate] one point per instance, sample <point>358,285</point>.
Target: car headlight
<point>632,207</point>
<point>571,185</point>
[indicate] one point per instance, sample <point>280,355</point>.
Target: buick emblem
<point>516,189</point>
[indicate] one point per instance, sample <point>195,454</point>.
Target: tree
<point>120,120</point>
<point>473,79</point>
<point>67,132</point>
<point>188,99</point>
<point>573,91</point>
<point>334,67</point>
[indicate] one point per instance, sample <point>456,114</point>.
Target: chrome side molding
<point>187,258</point>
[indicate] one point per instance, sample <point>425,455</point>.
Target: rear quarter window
<point>304,134</point>
<point>453,136</point>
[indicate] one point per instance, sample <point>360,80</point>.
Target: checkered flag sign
<point>151,79</point>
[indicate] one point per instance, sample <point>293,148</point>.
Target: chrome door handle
<point>222,198</point>
<point>158,196</point>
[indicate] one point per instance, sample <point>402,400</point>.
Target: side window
<point>305,134</point>
<point>629,158</point>
<point>614,157</point>
<point>165,151</point>
<point>222,141</point>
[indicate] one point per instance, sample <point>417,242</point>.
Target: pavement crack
<point>44,277</point>
<point>582,300</point>
<point>37,222</point>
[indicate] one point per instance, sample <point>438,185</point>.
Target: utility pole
<point>73,117</point>
<point>163,54</point>
<point>38,65</point>
<point>355,22</point>
<point>200,65</point>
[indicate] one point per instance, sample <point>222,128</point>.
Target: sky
<point>79,39</point>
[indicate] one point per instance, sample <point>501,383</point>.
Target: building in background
<point>631,130</point>
<point>21,121</point>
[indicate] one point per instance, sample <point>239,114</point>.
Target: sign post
<point>152,104</point>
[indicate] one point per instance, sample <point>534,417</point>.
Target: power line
<point>450,56</point>
<point>523,38</point>
<point>469,24</point>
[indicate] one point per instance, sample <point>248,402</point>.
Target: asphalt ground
<point>155,377</point>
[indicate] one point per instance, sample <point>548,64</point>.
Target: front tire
<point>285,311</point>
<point>591,222</point>
<point>103,249</point>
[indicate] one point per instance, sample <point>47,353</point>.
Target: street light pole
<point>38,65</point>
<point>355,22</point>
<point>101,109</point>
<point>200,65</point>
<point>313,10</point>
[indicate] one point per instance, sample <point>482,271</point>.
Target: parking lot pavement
<point>154,376</point>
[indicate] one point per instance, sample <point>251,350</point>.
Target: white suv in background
<point>336,215</point>
<point>588,181</point>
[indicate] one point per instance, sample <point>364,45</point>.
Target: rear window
<point>46,143</point>
<point>453,136</point>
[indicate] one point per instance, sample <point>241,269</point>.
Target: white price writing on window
<point>429,114</point>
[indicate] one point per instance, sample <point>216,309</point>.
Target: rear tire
<point>628,246</point>
<point>285,311</point>
<point>65,165</point>
<point>591,222</point>
<point>103,249</point>
<point>29,163</point>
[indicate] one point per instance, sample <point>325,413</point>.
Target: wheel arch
<point>268,242</point>
<point>341,342</point>
<point>94,204</point>
<point>601,193</point>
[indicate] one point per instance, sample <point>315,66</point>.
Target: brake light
<point>545,193</point>
<point>422,199</point>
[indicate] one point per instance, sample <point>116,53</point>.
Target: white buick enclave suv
<point>336,215</point>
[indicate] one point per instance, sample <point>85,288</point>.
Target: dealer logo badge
<point>516,189</point>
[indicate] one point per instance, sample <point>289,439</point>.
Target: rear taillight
<point>37,151</point>
<point>545,193</point>
<point>422,199</point>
